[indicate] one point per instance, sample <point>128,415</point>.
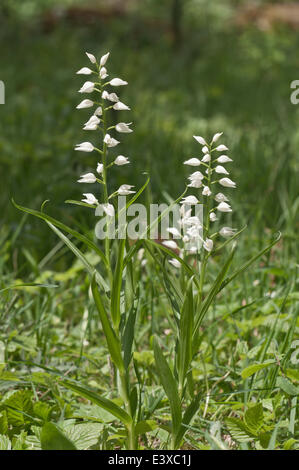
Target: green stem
<point>126,398</point>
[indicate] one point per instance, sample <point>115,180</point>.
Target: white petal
<point>224,159</point>
<point>224,207</point>
<point>221,170</point>
<point>174,231</point>
<point>192,162</point>
<point>117,82</point>
<point>100,168</point>
<point>90,198</point>
<point>104,59</point>
<point>170,244</point>
<point>200,139</point>
<point>228,183</point>
<point>206,158</point>
<point>84,71</point>
<point>208,244</point>
<point>175,262</point>
<point>227,231</point>
<point>121,160</point>
<point>91,57</point>
<point>221,148</point>
<point>87,87</point>
<point>108,209</point>
<point>119,106</point>
<point>123,127</point>
<point>87,178</point>
<point>216,137</point>
<point>84,147</point>
<point>85,104</point>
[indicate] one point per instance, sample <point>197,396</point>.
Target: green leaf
<point>185,334</point>
<point>52,438</point>
<point>253,368</point>
<point>104,403</point>
<point>28,284</point>
<point>65,228</point>
<point>128,337</point>
<point>5,443</point>
<point>111,338</point>
<point>170,386</point>
<point>238,430</point>
<point>116,285</point>
<point>3,422</point>
<point>287,386</point>
<point>145,426</point>
<point>254,417</point>
<point>83,435</point>
<point>187,417</point>
<point>212,294</point>
<point>18,405</point>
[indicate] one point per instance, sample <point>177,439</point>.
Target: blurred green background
<point>193,67</point>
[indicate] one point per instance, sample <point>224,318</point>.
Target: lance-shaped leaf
<point>185,335</point>
<point>170,386</point>
<point>104,403</point>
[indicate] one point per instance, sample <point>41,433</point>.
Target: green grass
<point>219,79</point>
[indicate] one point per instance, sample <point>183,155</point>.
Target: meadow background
<point>193,68</point>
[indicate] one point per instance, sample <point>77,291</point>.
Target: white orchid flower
<point>87,178</point>
<point>84,147</point>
